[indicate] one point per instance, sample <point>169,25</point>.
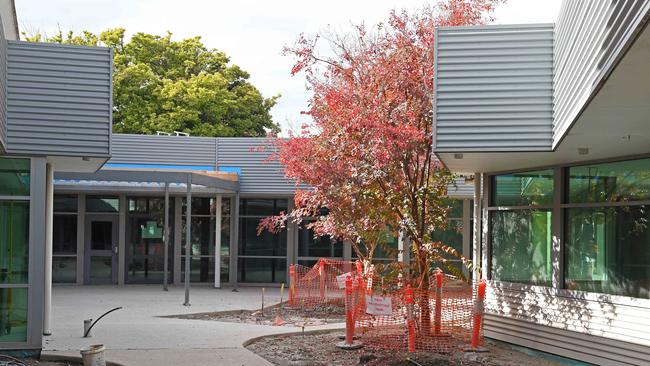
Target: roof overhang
<point>615,123</point>
<point>148,181</point>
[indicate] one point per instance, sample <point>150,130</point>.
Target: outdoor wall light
<point>85,158</point>
<point>583,150</point>
<point>458,156</point>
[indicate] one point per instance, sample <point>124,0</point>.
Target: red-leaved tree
<point>368,154</point>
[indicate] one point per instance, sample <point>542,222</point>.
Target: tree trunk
<point>425,308</point>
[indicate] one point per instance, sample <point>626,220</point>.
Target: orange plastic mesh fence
<point>443,316</point>
<point>319,284</point>
<point>442,320</point>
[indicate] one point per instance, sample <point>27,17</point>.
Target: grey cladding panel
<point>167,150</point>
<point>589,38</point>
<point>259,174</point>
<point>494,88</point>
<point>58,99</point>
<point>589,329</point>
<point>3,91</point>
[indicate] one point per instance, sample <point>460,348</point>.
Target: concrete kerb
<point>53,358</point>
<point>289,334</point>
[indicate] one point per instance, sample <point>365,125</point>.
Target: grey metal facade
<point>250,156</point>
<point>494,88</point>
<point>59,99</point>
<point>3,91</point>
<point>590,36</point>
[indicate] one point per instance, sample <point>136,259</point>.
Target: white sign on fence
<point>378,305</point>
<point>340,279</point>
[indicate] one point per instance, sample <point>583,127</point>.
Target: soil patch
<point>292,317</point>
<point>320,350</point>
<point>5,361</point>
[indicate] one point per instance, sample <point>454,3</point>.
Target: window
<point>262,258</point>
<point>607,235</point>
<point>14,177</point>
<point>203,239</point>
<point>102,204</point>
<point>322,246</point>
<point>14,248</point>
<point>520,227</point>
<point>145,248</point>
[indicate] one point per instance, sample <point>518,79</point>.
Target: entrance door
<point>101,249</point>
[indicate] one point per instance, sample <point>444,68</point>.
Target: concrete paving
<point>136,335</point>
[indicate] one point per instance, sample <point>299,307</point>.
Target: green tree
<point>165,85</point>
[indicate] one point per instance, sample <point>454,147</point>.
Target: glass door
<point>101,249</point>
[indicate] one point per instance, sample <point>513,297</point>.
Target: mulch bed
<point>292,317</point>
<point>320,350</point>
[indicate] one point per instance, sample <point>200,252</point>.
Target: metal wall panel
<point>58,99</point>
<point>590,37</point>
<point>259,174</point>
<point>589,329</point>
<point>494,88</point>
<point>3,91</point>
<point>166,150</point>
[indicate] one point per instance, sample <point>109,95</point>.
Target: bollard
<point>479,308</point>
<point>408,299</point>
<point>87,324</point>
<point>438,316</point>
<point>321,275</point>
<point>292,283</point>
<point>349,343</point>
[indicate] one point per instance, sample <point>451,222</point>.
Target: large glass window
<point>64,240</point>
<point>311,248</point>
<point>14,177</point>
<point>14,242</point>
<point>523,189</point>
<point>145,246</point>
<point>521,237</point>
<point>14,248</point>
<point>262,258</point>
<point>203,239</point>
<point>607,237</point>
<point>102,204</point>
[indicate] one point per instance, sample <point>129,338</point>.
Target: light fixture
<point>583,151</point>
<point>458,156</point>
<point>85,158</point>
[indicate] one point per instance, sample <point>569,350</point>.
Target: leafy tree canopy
<point>165,85</point>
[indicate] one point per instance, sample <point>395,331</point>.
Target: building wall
<point>59,99</point>
<point>590,37</point>
<point>494,88</point>
<point>3,90</point>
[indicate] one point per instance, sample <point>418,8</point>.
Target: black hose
<point>95,322</point>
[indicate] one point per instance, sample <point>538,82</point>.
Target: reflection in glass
<point>102,204</point>
<point>201,269</point>
<point>322,246</point>
<point>521,246</point>
<point>64,234</point>
<point>13,314</point>
<point>14,177</point>
<point>524,189</point>
<point>64,269</point>
<point>610,182</point>
<point>101,269</point>
<point>65,203</point>
<point>262,270</point>
<point>266,244</point>
<point>101,235</point>
<point>14,241</point>
<point>607,250</point>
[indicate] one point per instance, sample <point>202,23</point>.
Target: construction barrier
<point>390,314</point>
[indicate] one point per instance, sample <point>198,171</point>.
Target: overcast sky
<point>251,32</point>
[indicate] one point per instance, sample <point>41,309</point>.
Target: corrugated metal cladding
<point>3,90</point>
<point>591,330</point>
<point>171,150</point>
<point>259,174</point>
<point>494,88</point>
<point>589,37</point>
<point>58,99</point>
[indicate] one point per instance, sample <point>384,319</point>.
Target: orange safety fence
<point>389,314</point>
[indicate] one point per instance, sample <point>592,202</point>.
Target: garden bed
<point>292,317</point>
<point>319,348</point>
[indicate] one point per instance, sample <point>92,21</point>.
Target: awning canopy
<point>148,181</point>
